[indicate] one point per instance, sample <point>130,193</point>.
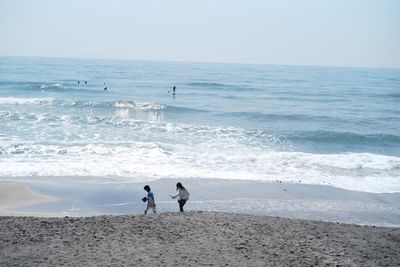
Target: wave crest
<point>117,104</point>
<point>25,101</point>
<point>212,159</point>
<point>346,137</point>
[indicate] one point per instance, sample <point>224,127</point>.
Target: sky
<point>361,33</point>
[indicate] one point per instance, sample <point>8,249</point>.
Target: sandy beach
<point>193,239</point>
<point>225,225</point>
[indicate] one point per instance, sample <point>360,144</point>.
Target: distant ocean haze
<point>320,125</point>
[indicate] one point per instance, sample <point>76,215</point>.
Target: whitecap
<point>148,160</point>
<point>25,101</point>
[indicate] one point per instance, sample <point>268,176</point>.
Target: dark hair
<point>180,186</point>
<point>147,188</point>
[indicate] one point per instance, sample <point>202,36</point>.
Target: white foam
<point>24,101</point>
<point>138,105</point>
<point>58,85</point>
<point>147,161</point>
<point>117,104</point>
<point>129,149</point>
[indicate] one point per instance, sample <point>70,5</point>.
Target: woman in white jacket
<point>182,194</point>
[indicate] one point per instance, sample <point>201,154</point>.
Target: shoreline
<point>72,198</point>
<point>16,194</point>
<point>194,239</point>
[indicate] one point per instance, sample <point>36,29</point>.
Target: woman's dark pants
<point>182,203</point>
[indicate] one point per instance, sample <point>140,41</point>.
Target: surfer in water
<point>105,86</point>
<point>173,90</point>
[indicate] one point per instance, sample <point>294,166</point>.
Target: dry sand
<point>193,239</point>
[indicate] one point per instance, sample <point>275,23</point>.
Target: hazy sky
<point>305,32</point>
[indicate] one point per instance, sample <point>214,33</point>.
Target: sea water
<point>316,125</point>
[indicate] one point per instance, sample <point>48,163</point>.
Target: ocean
<point>314,125</point>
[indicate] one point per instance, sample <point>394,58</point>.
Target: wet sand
<point>193,239</point>
<point>82,197</point>
<point>13,194</point>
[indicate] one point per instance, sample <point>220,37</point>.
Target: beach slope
<point>193,239</point>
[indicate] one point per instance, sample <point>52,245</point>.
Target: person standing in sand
<point>151,204</point>
<point>182,194</point>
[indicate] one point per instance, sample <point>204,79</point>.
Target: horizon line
<point>202,62</point>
